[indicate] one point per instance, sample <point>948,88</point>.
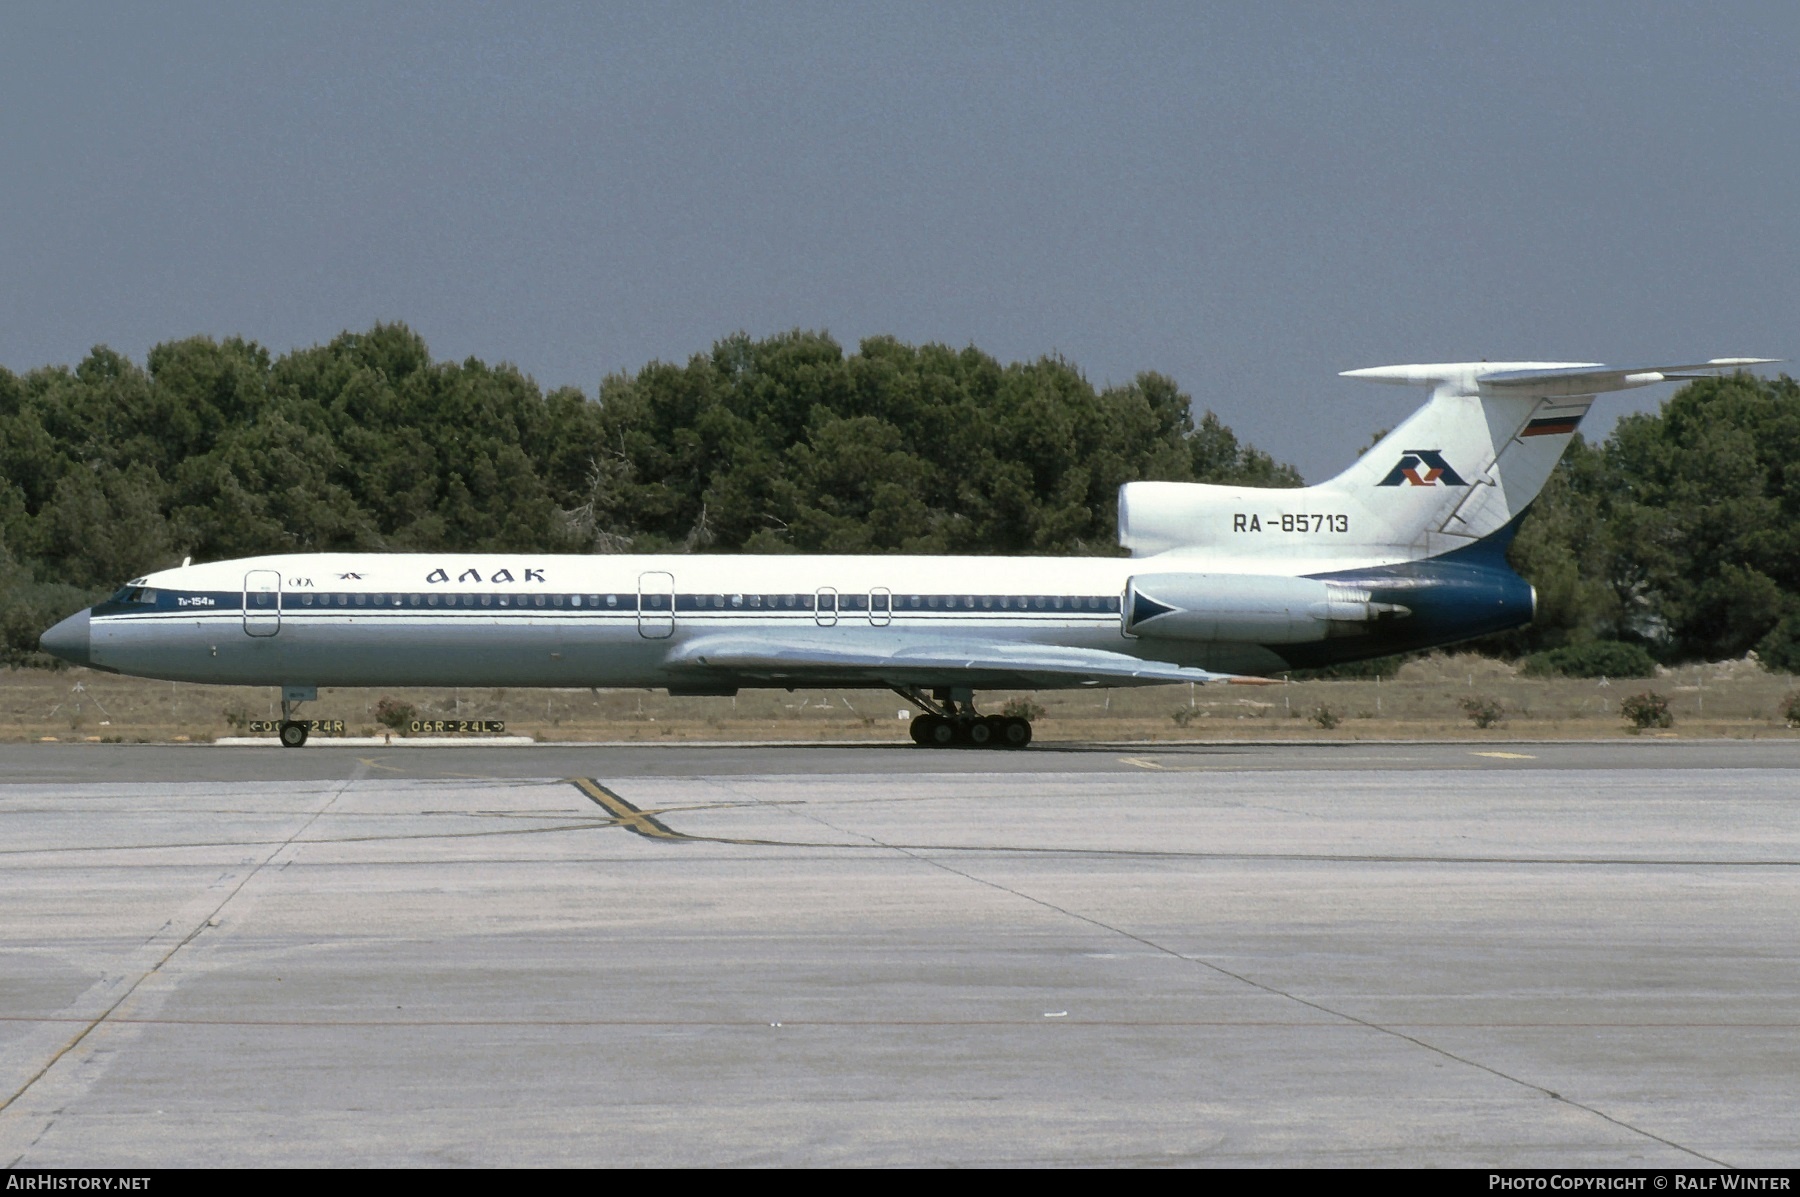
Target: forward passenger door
<point>262,602</point>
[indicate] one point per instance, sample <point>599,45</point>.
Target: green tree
<point>217,449</point>
<point>1682,532</point>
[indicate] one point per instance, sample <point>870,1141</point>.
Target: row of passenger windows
<point>878,603</point>
<point>601,601</point>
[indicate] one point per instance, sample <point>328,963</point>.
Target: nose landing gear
<point>292,731</point>
<point>949,720</point>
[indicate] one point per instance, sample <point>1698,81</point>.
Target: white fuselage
<point>546,620</point>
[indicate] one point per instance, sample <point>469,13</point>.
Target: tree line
<point>1679,534</point>
<point>216,449</point>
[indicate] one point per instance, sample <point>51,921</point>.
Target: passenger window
<point>612,600</point>
<point>487,600</point>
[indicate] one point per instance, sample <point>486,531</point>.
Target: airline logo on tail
<point>1422,467</point>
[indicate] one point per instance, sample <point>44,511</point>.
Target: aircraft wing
<point>901,661</point>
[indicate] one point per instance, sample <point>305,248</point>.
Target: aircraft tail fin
<point>1458,469</point>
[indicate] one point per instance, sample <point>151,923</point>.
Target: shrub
<point>1596,658</point>
<point>1356,670</point>
<point>395,714</point>
<point>1483,711</point>
<point>1184,715</point>
<point>1779,651</point>
<point>1648,709</point>
<point>1325,717</point>
<point>1022,708</point>
<point>1790,708</point>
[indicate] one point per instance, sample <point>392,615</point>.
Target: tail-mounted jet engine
<point>1253,610</point>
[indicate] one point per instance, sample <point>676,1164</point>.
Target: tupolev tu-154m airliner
<point>1404,550</point>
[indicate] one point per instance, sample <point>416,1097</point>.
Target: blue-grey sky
<point>1246,197</point>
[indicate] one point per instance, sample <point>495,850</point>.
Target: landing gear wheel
<point>921,730</point>
<point>293,735</point>
<point>1014,732</point>
<point>941,733</point>
<point>980,733</point>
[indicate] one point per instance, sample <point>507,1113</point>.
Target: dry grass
<point>1423,701</point>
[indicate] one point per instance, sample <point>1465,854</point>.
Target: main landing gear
<point>949,720</point>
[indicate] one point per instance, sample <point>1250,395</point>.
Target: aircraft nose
<point>68,639</point>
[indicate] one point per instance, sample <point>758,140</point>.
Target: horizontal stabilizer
<point>1545,379</point>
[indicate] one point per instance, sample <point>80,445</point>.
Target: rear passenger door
<point>656,605</point>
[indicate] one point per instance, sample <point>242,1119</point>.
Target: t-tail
<point>1460,469</point>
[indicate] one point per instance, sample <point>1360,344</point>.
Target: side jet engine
<point>1246,609</point>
